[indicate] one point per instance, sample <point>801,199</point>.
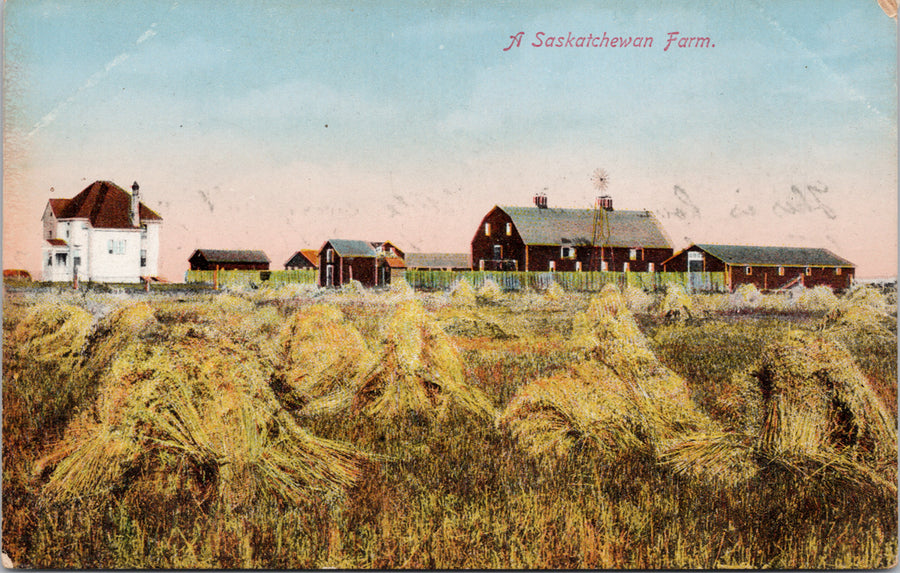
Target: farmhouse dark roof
<point>348,248</point>
<point>231,256</point>
<point>437,260</point>
<point>775,256</point>
<point>552,226</point>
<point>104,204</point>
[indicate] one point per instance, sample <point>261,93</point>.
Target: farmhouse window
<point>60,258</point>
<point>487,229</point>
<point>49,260</point>
<point>76,259</point>
<point>509,229</point>
<point>143,257</point>
<point>109,246</point>
<point>781,271</point>
<point>837,270</point>
<point>748,270</point>
<point>567,253</point>
<point>84,226</point>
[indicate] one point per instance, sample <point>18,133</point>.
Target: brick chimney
<point>135,205</point>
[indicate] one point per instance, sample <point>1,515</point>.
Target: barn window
<point>578,266</point>
<point>808,271</point>
<point>498,252</point>
<point>329,255</point>
<point>837,270</point>
<point>604,266</point>
<point>487,229</point>
<point>748,270</point>
<point>567,253</point>
<point>632,254</point>
<point>552,265</point>
<point>509,229</point>
<point>651,268</point>
<point>626,267</point>
<point>781,271</point>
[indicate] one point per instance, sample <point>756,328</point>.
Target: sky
<point>277,125</point>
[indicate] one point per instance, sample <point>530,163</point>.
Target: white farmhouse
<point>103,234</point>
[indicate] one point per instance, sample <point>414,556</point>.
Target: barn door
<point>329,276</point>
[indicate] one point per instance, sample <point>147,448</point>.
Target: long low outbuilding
<point>222,259</point>
<point>768,268</point>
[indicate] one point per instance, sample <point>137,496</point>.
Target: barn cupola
<point>135,205</point>
<point>540,200</point>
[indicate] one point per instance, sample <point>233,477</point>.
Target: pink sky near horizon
<point>279,126</point>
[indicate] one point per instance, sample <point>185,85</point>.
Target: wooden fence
<point>572,281</point>
<point>252,278</point>
<point>507,280</point>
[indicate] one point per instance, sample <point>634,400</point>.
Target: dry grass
<point>621,401</point>
<point>462,294</point>
<point>196,412</point>
<point>186,457</point>
<point>321,360</point>
<point>419,372</point>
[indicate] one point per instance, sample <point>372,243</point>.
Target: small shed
<point>303,259</point>
<point>343,260</point>
<point>769,268</point>
<point>228,260</point>
<point>438,261</point>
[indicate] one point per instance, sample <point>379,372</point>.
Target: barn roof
<point>349,248</point>
<point>551,226</point>
<point>231,256</point>
<point>310,255</point>
<point>395,262</point>
<point>775,256</point>
<point>437,260</point>
<point>104,204</point>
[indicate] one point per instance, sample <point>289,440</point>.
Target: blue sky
<point>277,125</point>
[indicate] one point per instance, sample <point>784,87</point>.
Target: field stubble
<point>210,404</point>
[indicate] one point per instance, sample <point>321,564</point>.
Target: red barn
<point>541,238</point>
<point>768,268</point>
<point>341,261</point>
<point>212,259</point>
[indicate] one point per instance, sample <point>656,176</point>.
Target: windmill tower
<point>602,206</point>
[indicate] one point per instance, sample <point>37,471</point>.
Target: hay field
<point>303,428</point>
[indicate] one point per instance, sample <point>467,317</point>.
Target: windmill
<point>602,205</point>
